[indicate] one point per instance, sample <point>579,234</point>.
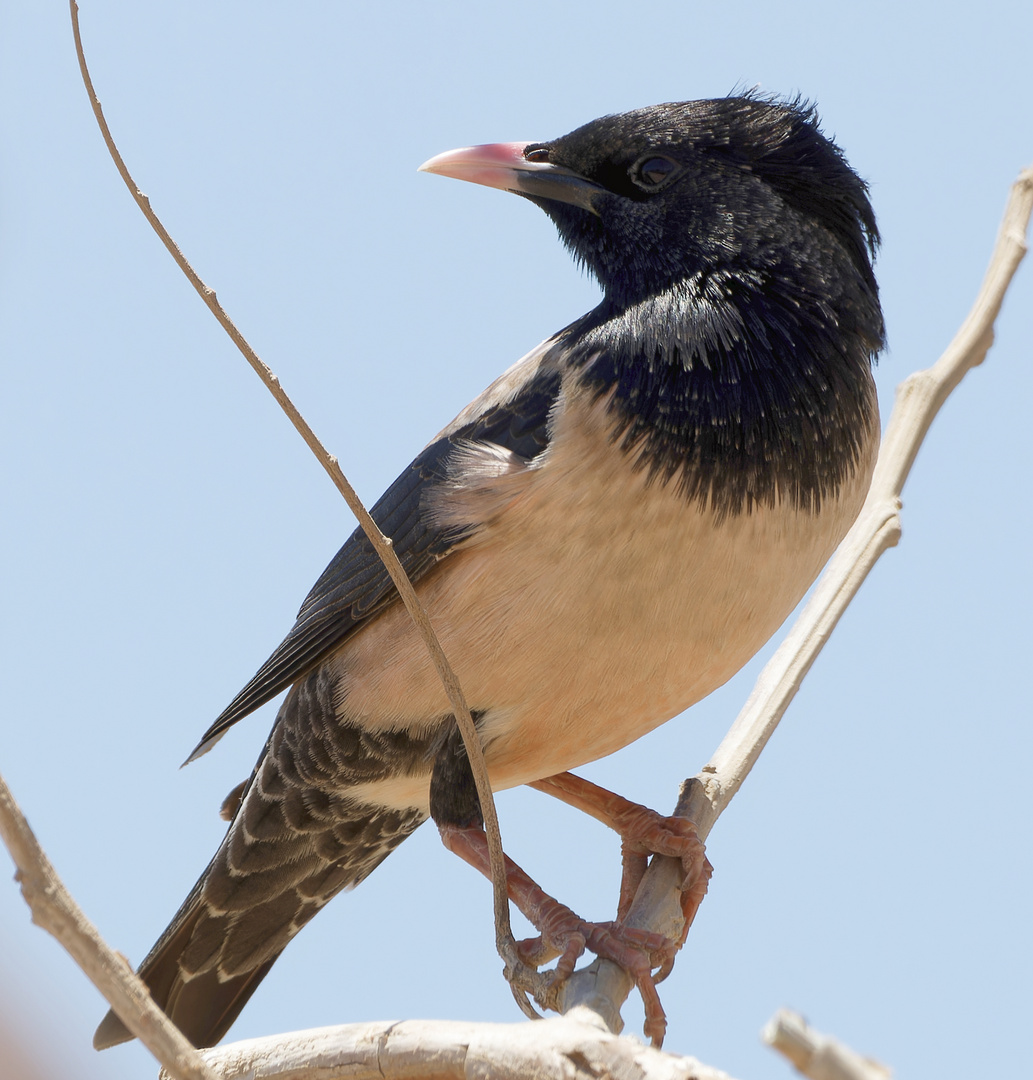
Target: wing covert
<point>513,413</point>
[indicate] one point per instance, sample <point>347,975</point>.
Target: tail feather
<point>209,962</point>
<point>203,1007</point>
<point>296,840</point>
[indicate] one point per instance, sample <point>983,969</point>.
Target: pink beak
<point>503,165</point>
<point>492,165</point>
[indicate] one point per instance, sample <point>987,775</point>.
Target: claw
<point>520,993</point>
<point>643,833</point>
<point>636,951</point>
<point>565,935</point>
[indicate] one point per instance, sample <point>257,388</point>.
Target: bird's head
<point>648,198</point>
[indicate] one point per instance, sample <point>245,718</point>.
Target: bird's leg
<point>643,832</point>
<point>566,935</point>
<point>456,810</point>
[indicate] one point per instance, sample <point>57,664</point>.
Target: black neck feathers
<point>737,387</point>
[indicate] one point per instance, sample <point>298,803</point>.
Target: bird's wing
<point>513,414</point>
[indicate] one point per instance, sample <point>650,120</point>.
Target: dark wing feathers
<point>512,413</point>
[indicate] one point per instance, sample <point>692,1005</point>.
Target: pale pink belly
<point>578,630</point>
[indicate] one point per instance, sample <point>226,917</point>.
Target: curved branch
<point>382,544</point>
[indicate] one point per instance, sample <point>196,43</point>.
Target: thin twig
<point>817,1056</point>
<point>53,909</point>
<point>381,543</point>
<point>603,986</point>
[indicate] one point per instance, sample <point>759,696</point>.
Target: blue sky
<point>162,522</point>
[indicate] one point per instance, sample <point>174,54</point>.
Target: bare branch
<point>450,1050</point>
<point>603,986</point>
<point>54,910</point>
<point>820,1057</point>
<point>503,933</point>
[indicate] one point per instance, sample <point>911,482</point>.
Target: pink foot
<point>564,934</point>
<point>643,833</point>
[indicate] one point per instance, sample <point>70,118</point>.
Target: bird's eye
<point>651,173</point>
<point>536,153</point>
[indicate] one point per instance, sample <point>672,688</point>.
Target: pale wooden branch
<point>53,909</point>
<point>569,1046</point>
<point>504,940</point>
<point>817,1056</point>
<point>603,986</point>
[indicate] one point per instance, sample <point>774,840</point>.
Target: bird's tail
<point>202,1005</point>
<point>292,845</point>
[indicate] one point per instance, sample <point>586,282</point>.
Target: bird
<point>602,538</point>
